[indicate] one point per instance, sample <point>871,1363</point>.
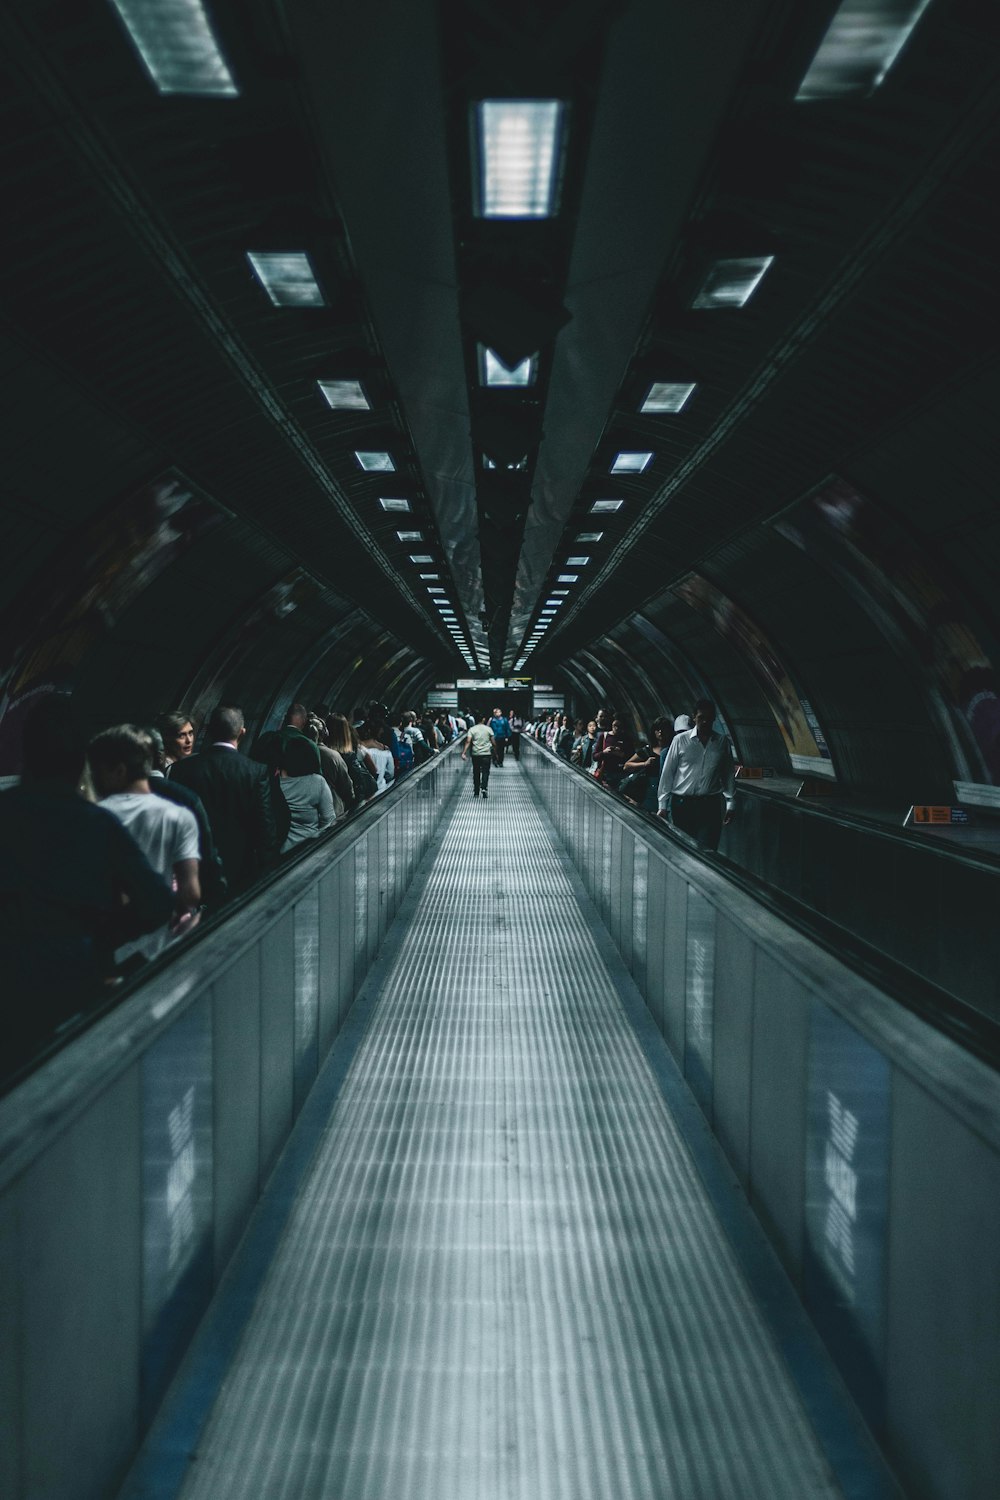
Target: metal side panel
<point>503,1276</point>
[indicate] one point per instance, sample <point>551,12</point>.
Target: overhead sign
<point>446,686</point>
<point>480,682</point>
<point>937,816</point>
<point>442,699</point>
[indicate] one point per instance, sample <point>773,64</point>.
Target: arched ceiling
<point>138,340</point>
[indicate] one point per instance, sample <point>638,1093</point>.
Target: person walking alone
<point>481,743</point>
<point>700,776</point>
<point>500,725</point>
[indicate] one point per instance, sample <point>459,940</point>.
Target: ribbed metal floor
<point>503,1279</point>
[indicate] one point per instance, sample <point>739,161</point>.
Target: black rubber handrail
<point>978,1033</point>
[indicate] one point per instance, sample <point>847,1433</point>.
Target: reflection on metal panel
<point>176,1195</point>
<point>306,992</point>
<point>640,908</point>
<point>699,1000</point>
<point>847,1176</point>
<point>361,902</point>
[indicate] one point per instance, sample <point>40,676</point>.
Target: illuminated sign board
<point>699,998</point>
<point>847,1184</point>
<point>937,817</point>
<point>481,682</point>
<point>443,699</point>
<point>177,1217</point>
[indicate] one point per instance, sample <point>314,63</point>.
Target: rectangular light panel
<point>667,395</point>
<point>433,588</point>
<point>493,371</point>
<point>376,463</point>
<point>863,41</point>
<point>731,283</point>
<point>389,504</point>
<point>176,44</point>
<point>420,557</point>
<point>427,577</point>
<point>518,140</point>
<point>410,536</point>
<point>287,277</point>
<point>577,562</point>
<point>567,578</point>
<point>605,507</point>
<point>589,536</point>
<point>631,463</point>
<point>344,395</point>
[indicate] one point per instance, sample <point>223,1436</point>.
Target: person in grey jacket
<point>310,801</point>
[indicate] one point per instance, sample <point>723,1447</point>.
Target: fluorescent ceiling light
<point>631,463</point>
<point>667,395</point>
<point>410,536</point>
<point>605,507</point>
<point>175,41</point>
<point>731,283</point>
<point>567,578</point>
<point>517,157</point>
<point>376,463</point>
<point>493,371</point>
<point>435,588</point>
<point>421,557</point>
<point>395,504</point>
<point>864,39</point>
<point>577,562</point>
<point>427,576</point>
<point>522,463</point>
<point>286,277</point>
<point>589,536</point>
<point>344,395</point>
<point>554,603</point>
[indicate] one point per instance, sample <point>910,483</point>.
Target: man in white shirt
<point>697,775</point>
<point>166,832</point>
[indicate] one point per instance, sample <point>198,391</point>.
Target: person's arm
<point>728,784</point>
<point>342,783</point>
<point>268,836</point>
<point>667,778</point>
<point>324,806</point>
<point>468,742</point>
<point>187,898</point>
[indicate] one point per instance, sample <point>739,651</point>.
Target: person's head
<point>662,731</point>
<point>341,733</point>
<point>682,722</point>
<point>496,713</point>
<point>369,731</point>
<point>119,758</point>
<point>226,725</point>
<point>297,717</point>
<point>704,714</point>
<point>409,718</point>
<point>483,717</point>
<point>154,743</point>
<point>578,726</point>
<point>592,728</point>
<point>601,718</point>
<point>177,729</point>
<point>297,758</point>
<point>616,726</point>
<point>53,744</point>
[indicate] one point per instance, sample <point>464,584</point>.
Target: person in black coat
<point>74,885</point>
<point>238,799</point>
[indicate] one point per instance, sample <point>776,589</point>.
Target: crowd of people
<point>114,847</point>
<point>683,770</point>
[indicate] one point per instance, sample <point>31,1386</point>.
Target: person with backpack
<point>344,739</point>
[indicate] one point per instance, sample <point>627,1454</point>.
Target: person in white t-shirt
<point>166,832</point>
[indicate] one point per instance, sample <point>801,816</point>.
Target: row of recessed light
<point>520,139</point>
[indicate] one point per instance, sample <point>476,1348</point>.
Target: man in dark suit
<point>238,798</point>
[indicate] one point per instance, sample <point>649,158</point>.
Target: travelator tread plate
<point>503,1279</point>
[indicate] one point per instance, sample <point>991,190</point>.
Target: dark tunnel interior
<point>812,538</point>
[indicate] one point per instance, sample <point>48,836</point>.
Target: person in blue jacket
<point>500,725</point>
